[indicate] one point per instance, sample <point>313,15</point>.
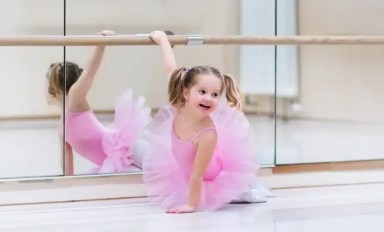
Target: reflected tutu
<point>108,147</point>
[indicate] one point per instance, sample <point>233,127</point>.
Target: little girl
<point>106,147</point>
<point>202,152</point>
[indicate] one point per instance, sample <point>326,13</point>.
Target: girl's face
<point>204,95</point>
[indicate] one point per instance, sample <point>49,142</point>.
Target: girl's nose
<point>208,98</point>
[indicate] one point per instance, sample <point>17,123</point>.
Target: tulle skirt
<point>166,182</point>
<point>130,119</point>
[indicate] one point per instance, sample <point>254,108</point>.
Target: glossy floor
<point>353,208</point>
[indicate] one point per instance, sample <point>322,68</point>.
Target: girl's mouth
<point>205,106</point>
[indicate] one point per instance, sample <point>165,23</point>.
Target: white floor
<point>33,148</point>
<point>323,209</point>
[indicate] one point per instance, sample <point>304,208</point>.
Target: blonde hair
<point>184,78</point>
<point>58,83</point>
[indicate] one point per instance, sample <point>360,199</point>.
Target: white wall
<point>22,69</point>
<point>139,67</point>
<point>336,82</point>
<point>259,65</point>
<point>342,82</point>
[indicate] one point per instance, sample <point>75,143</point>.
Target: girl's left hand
<point>158,36</point>
<point>182,209</point>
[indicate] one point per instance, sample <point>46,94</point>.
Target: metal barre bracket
<point>195,40</point>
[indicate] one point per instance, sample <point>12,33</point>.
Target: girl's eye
<point>202,91</point>
<point>215,95</point>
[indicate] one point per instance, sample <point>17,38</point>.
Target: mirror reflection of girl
<point>106,147</point>
<point>202,152</point>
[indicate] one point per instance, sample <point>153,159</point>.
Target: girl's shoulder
<point>208,132</point>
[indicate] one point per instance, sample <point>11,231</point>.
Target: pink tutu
<point>235,172</point>
<point>131,117</point>
<point>108,147</point>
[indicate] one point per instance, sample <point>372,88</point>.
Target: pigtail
<point>175,87</point>
<point>232,92</point>
<point>55,84</point>
<point>61,78</point>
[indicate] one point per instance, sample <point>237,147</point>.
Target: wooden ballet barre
<point>143,39</point>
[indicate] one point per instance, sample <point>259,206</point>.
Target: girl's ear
<point>186,94</point>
